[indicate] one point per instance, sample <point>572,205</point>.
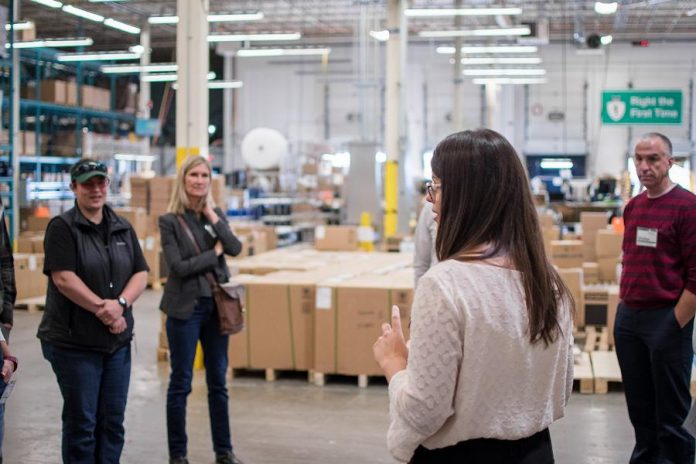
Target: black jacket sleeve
<point>7,274</point>
<point>230,243</point>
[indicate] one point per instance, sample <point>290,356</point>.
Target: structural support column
<point>228,162</point>
<point>14,120</point>
<point>144,95</point>
<point>393,119</point>
<point>192,57</point>
<point>457,94</point>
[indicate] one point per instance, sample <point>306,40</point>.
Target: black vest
<point>105,269</point>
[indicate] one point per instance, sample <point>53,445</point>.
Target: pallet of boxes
<point>589,267</point>
<point>30,280</point>
<point>318,310</point>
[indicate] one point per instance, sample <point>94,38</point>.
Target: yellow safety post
<point>366,233</point>
<point>391,197</point>
<point>198,360</point>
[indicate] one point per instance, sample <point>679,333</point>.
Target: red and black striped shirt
<point>655,274</point>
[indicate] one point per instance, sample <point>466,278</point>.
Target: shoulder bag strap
<point>208,275</point>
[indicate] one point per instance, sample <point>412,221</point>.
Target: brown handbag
<point>228,297</point>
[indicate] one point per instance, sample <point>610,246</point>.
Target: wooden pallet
<point>606,369</point>
<point>583,374</point>
<point>271,375</point>
<point>156,284</point>
<point>596,339</point>
<point>33,305</point>
<point>162,355</point>
<point>363,380</point>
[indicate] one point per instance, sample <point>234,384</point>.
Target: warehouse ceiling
<point>336,22</point>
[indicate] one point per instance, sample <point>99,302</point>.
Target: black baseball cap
<point>87,168</point>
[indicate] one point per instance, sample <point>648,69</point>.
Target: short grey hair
<point>663,137</point>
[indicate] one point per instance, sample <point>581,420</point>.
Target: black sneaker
<point>180,460</point>
<point>227,458</point>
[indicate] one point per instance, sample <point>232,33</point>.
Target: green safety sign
<point>642,107</point>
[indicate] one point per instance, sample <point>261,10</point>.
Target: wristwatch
<point>123,302</point>
<point>13,360</point>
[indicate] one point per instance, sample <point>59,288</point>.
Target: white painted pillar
<point>228,161</point>
<point>17,144</point>
<point>144,95</point>
<point>458,80</point>
<point>393,118</point>
<point>192,57</point>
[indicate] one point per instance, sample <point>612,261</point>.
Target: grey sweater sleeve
<point>423,241</point>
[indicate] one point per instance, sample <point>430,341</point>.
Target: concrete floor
<point>288,421</point>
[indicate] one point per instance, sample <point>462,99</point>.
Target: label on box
<point>323,300</point>
<point>150,243</point>
<point>320,233</point>
<point>32,263</point>
<point>366,234</point>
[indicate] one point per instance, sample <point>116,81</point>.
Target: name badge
<point>646,237</point>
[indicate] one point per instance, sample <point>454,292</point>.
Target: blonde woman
<point>189,306</point>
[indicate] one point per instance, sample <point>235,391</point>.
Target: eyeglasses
<point>431,188</point>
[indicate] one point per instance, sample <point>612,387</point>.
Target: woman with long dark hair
<point>490,363</point>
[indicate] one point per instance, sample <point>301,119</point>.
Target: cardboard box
<point>550,234</point>
<point>547,220</point>
<point>152,251</point>
<point>573,278</point>
<point>53,91</point>
<point>598,311</point>
<point>24,244</point>
<point>29,278</point>
<point>71,93</point>
<point>566,253</point>
<point>591,223</point>
<point>590,273</point>
<point>336,238</point>
<point>28,143</point>
<point>137,217</point>
<point>37,224</point>
<point>607,269</point>
<point>608,244</point>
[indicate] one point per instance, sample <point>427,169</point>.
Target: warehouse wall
<point>292,97</point>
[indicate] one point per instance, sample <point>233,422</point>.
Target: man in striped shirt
<point>654,321</point>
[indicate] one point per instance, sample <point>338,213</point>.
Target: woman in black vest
<point>96,271</point>
<point>190,309</point>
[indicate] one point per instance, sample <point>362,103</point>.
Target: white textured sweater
<point>472,372</point>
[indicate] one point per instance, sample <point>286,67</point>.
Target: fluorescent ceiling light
<point>130,157</point>
<point>233,17</point>
<point>508,81</point>
<point>135,69</point>
<point>20,26</point>
<point>504,72</point>
<point>42,43</point>
<point>98,56</point>
<point>253,37</point>
<point>121,26</point>
<point>212,18</point>
<point>606,39</point>
<point>382,36</point>
<point>691,12</point>
<point>169,77</point>
<point>261,52</point>
<point>606,8</point>
<point>481,49</point>
<point>493,32</point>
<point>436,12</point>
<point>562,163</point>
<point>510,60</point>
<point>225,84</point>
<point>163,19</point>
<point>49,3</point>
<point>83,13</point>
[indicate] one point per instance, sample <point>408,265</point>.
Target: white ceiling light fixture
<point>97,56</point>
<point>225,85</point>
<point>606,8</point>
<point>20,26</point>
<point>483,49</point>
<point>492,32</point>
<point>42,43</point>
<point>121,26</point>
<point>136,69</point>
<point>216,38</point>
<point>212,18</point>
<point>83,13</point>
<point>382,35</point>
<point>606,39</point>
<point>504,72</point>
<point>133,157</point>
<point>506,60</point>
<point>268,52</point>
<point>559,163</point>
<point>691,12</point>
<point>509,81</point>
<point>169,77</point>
<point>445,12</point>
<point>49,3</point>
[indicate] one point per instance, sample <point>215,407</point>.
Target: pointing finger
<point>396,318</point>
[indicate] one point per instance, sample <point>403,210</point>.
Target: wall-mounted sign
<point>642,107</point>
<point>555,116</point>
<point>148,127</point>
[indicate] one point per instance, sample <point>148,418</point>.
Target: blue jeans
<point>183,336</point>
<point>655,356</point>
<point>2,418</point>
<point>94,386</point>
